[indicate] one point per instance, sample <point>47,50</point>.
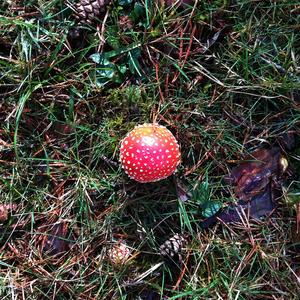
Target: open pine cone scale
<point>86,11</point>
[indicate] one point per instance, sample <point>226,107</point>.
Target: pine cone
<point>87,10</point>
<point>4,210</point>
<point>172,247</point>
<point>125,22</point>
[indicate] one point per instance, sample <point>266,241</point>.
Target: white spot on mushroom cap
<point>148,140</point>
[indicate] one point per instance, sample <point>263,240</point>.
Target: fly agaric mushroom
<point>149,153</point>
<point>119,253</point>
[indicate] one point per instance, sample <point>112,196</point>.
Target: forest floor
<point>223,76</point>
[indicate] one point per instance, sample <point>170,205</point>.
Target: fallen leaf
<point>252,175</point>
<point>256,186</point>
<point>55,242</point>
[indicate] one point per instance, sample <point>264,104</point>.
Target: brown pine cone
<point>172,248</point>
<point>87,10</point>
<point>125,22</point>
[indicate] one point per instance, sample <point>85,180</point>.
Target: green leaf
<point>97,58</point>
<point>201,193</point>
<point>211,208</point>
<point>112,37</point>
<point>138,12</point>
<point>123,68</point>
<point>125,2</point>
<point>106,71</point>
<point>113,41</point>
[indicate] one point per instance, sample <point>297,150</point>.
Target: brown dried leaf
<point>255,172</point>
<point>256,184</point>
<point>55,242</point>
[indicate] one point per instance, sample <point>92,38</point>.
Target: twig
<point>182,273</point>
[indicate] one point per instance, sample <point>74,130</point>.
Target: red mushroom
<point>149,153</point>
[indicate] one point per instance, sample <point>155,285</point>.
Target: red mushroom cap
<point>149,153</point>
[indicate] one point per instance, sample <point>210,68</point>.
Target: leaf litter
<point>257,182</point>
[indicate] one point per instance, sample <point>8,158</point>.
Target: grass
<point>223,76</point>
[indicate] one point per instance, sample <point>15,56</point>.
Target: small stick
<point>182,272</point>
